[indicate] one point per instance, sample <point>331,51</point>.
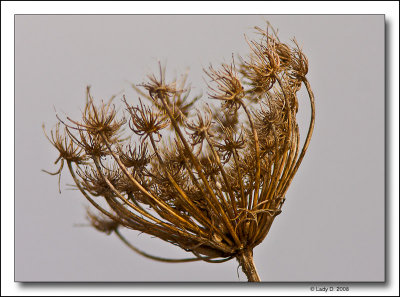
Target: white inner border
<point>8,9</point>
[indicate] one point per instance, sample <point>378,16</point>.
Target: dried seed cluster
<point>215,187</point>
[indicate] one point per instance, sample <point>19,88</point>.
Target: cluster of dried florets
<point>215,187</point>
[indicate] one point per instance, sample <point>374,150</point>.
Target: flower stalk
<point>246,261</point>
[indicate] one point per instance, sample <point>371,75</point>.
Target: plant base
<point>246,261</point>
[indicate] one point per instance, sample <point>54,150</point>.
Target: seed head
<point>216,181</point>
<point>102,223</point>
<point>146,121</point>
<point>263,65</point>
<point>231,143</point>
<point>137,157</point>
<point>99,120</point>
<point>200,127</point>
<point>157,87</point>
<point>65,146</point>
<point>228,86</point>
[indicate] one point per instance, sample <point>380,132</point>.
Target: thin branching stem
<point>217,207</point>
<point>193,228</point>
<point>309,134</point>
<point>254,200</point>
<point>223,173</point>
<point>174,217</point>
<point>192,207</point>
<point>156,258</point>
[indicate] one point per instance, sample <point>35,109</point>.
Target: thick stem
<point>246,261</point>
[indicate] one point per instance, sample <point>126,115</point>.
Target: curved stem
<point>98,207</point>
<point>258,162</point>
<point>148,224</point>
<point>287,143</point>
<point>196,212</point>
<point>198,186</point>
<point>309,134</point>
<point>221,168</point>
<point>144,254</point>
<point>236,159</point>
<point>174,217</point>
<point>217,206</point>
<point>292,162</point>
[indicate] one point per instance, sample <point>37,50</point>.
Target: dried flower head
<point>65,146</point>
<point>92,144</point>
<point>102,223</point>
<point>231,143</point>
<point>99,120</point>
<point>146,121</point>
<point>180,101</point>
<point>228,86</point>
<point>94,180</point>
<point>68,151</point>
<point>200,127</point>
<point>262,66</point>
<point>215,187</point>
<point>137,157</point>
<point>299,65</point>
<point>157,88</point>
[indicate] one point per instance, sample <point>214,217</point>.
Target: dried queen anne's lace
<point>215,188</point>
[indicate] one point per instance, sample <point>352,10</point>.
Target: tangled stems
<point>216,189</point>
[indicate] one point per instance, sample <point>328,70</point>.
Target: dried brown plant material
<point>66,147</point>
<point>200,127</point>
<point>228,86</point>
<point>102,223</point>
<point>215,187</point>
<point>99,120</point>
<point>157,88</point>
<point>68,151</point>
<point>231,143</point>
<point>137,157</point>
<point>146,121</point>
<point>262,66</point>
<point>181,101</point>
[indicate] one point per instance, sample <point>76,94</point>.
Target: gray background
<point>332,225</point>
